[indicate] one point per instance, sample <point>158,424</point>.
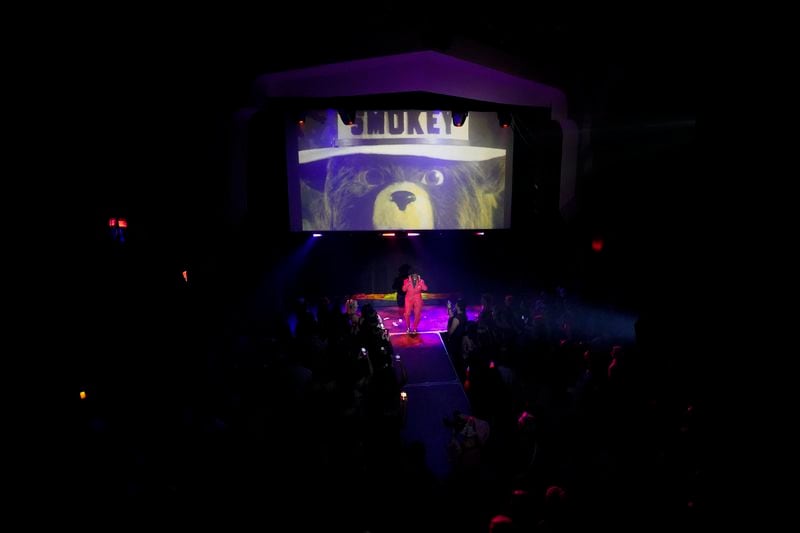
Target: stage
<point>434,311</point>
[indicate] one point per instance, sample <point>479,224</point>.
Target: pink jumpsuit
<point>413,300</point>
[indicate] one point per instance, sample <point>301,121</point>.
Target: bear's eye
<point>433,177</point>
<point>374,176</point>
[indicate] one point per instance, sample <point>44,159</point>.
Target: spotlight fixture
<point>504,119</point>
<point>348,116</point>
<point>459,118</point>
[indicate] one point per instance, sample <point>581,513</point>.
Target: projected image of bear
<point>363,192</point>
<point>404,205</point>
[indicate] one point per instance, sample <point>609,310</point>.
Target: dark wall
<point>462,262</point>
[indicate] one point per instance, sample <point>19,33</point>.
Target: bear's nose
<point>403,198</point>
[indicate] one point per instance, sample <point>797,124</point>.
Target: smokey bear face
<point>410,192</point>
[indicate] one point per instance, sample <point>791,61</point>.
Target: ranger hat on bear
<point>410,132</point>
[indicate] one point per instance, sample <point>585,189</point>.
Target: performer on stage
<point>413,287</point>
